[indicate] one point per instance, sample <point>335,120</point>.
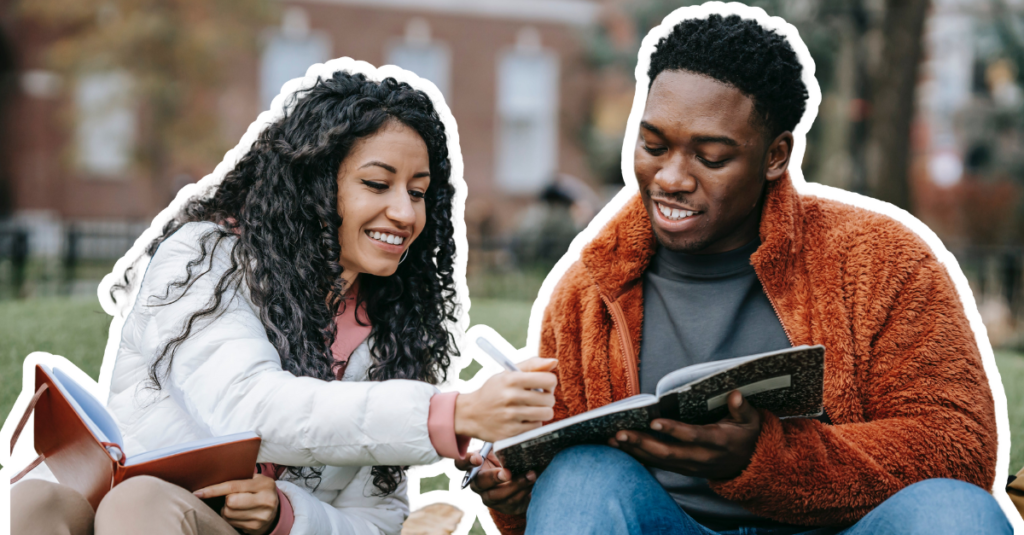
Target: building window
<point>419,54</point>
<point>527,116</point>
<point>106,124</point>
<point>289,52</point>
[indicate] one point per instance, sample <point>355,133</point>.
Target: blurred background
<point>108,107</point>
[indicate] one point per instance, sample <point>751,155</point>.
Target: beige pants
<point>138,505</point>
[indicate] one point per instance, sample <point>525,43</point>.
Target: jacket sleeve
<point>357,510</point>
<point>927,413</point>
<point>228,376</point>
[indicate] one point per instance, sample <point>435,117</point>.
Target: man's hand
<point>251,505</point>
<point>496,486</point>
<point>717,451</point>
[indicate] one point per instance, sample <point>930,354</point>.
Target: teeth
<point>386,238</point>
<point>674,213</point>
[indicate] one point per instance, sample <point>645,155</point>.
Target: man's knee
<point>589,462</point>
<point>39,506</point>
<point>591,474</point>
<point>599,489</point>
<point>940,505</point>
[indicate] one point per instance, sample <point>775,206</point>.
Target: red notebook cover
<point>79,460</point>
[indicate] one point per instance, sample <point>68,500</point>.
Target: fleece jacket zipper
<point>619,322</point>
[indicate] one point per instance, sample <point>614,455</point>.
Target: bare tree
<point>893,85</point>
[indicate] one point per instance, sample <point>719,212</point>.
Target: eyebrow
<point>390,168</point>
<point>648,126</point>
<point>725,140</point>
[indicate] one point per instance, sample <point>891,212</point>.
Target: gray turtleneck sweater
<point>700,308</point>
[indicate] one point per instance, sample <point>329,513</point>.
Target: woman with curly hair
<point>310,299</point>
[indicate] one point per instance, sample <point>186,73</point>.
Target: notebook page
<point>89,408</point>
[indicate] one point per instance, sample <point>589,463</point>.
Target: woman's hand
<point>251,505</point>
<point>508,404</point>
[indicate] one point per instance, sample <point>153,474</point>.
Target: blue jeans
<point>599,489</point>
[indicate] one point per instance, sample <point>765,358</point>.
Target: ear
<point>777,157</point>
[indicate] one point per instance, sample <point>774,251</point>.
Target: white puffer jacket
<point>227,378</point>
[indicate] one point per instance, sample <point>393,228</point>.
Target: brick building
<point>513,73</point>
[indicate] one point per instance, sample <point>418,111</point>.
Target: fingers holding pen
<point>537,364</point>
<point>507,404</point>
<point>540,380</point>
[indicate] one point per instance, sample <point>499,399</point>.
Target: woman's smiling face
<point>381,188</point>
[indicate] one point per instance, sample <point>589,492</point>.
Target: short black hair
<point>741,53</point>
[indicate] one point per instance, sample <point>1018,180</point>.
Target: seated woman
<point>309,299</point>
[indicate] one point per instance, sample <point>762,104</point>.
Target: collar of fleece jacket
<point>630,240</point>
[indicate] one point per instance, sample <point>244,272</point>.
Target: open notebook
<point>789,383</point>
<point>81,444</point>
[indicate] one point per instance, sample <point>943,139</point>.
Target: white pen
<point>501,359</point>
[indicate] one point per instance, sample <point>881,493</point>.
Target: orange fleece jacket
<point>904,382</point>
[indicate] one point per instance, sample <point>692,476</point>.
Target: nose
<point>400,210</point>
<point>674,176</point>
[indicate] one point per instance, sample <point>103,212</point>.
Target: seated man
<point>719,256</point>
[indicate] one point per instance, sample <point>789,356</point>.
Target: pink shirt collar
<point>351,332</point>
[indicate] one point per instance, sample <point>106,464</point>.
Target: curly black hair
<point>281,199</point>
<point>741,53</point>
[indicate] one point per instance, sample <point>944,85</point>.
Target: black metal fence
<point>94,244</point>
<point>511,267</point>
<point>84,253</point>
<point>14,253</point>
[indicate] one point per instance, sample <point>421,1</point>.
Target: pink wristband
<point>285,515</point>
<point>441,426</point>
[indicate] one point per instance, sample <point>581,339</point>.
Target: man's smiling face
<point>702,162</point>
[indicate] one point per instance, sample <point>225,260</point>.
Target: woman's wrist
<point>465,423</point>
<point>282,522</point>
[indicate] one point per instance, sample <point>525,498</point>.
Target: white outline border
<point>791,34</point>
<point>469,502</point>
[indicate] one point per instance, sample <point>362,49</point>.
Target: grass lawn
<point>73,328</point>
<point>77,329</point>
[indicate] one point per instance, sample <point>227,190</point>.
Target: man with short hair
<point>719,256</point>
